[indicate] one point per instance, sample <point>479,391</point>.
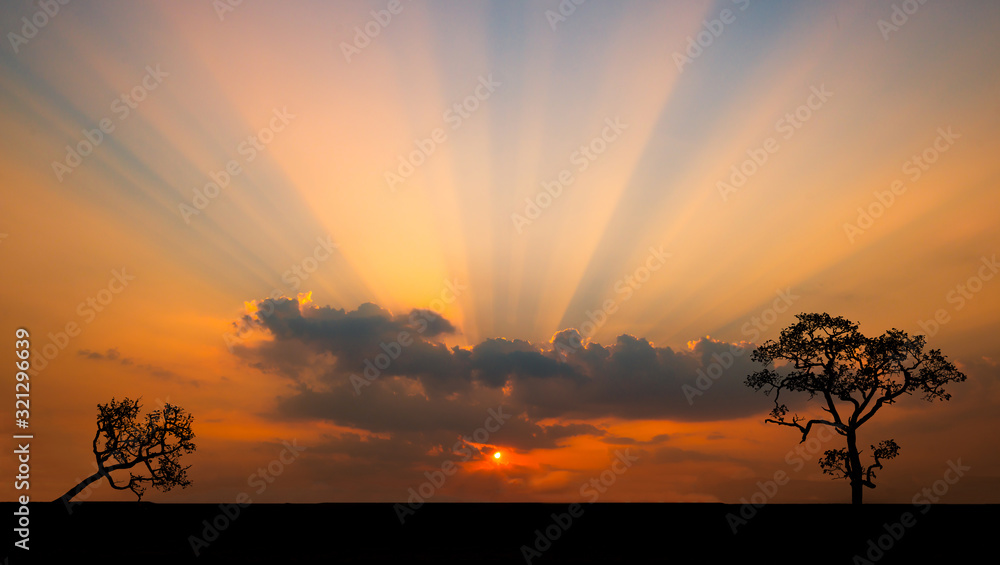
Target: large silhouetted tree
<point>148,448</point>
<point>853,376</point>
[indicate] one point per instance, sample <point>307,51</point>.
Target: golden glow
<point>444,238</point>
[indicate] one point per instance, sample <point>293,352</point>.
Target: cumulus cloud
<point>366,352</point>
<point>392,375</point>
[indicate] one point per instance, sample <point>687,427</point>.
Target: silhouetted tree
<point>148,448</point>
<point>854,376</point>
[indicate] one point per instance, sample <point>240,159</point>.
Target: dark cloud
<point>90,354</point>
<point>358,340</point>
<point>617,440</point>
<point>113,355</point>
<point>354,354</point>
<point>677,455</point>
<point>390,375</point>
<point>494,361</point>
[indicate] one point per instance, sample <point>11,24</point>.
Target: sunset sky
<point>670,181</point>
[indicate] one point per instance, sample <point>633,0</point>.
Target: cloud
<point>300,333</point>
<point>414,401</point>
<point>393,366</point>
<point>90,354</point>
<point>113,355</point>
<point>617,440</point>
<point>677,455</point>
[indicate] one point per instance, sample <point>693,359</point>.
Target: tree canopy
<point>854,376</point>
<point>148,448</point>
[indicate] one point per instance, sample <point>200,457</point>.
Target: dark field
<point>495,533</point>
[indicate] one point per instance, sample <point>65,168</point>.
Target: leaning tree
<point>148,448</point>
<point>853,376</point>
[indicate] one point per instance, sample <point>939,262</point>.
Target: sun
<point>496,455</point>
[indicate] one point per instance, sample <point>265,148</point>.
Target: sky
<point>502,239</point>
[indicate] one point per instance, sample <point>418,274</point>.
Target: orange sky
<point>411,173</point>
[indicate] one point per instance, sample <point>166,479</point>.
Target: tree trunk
<point>82,485</point>
<point>854,460</point>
